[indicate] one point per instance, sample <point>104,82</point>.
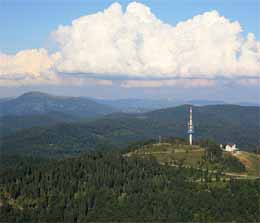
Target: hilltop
<point>239,164</point>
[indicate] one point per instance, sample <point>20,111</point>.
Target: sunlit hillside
<point>240,163</point>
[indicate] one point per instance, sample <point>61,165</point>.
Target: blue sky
<point>28,24</point>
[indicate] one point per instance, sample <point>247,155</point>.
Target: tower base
<point>190,139</point>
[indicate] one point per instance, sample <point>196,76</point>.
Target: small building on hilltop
<point>229,147</point>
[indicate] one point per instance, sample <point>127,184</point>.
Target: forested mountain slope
<point>109,187</point>
<point>223,123</point>
<point>11,124</point>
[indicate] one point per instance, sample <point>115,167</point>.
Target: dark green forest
<point>108,186</point>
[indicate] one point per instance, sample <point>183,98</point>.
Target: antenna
<point>190,127</point>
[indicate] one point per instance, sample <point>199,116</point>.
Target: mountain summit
<point>42,103</point>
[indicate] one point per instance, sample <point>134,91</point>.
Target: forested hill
<point>41,103</point>
<point>223,123</point>
<point>109,187</point>
<point>11,124</point>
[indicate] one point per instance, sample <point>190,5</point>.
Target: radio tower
<point>190,127</point>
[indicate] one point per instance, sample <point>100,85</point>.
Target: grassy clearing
<point>192,156</point>
<point>168,153</point>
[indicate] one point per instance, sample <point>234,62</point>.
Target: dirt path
<point>234,175</point>
<point>251,162</point>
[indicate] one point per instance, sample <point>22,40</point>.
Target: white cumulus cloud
<point>133,45</point>
<point>34,64</point>
<point>136,44</point>
<point>37,67</point>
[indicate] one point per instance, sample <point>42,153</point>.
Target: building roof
<point>231,144</point>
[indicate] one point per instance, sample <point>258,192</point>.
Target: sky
<point>147,49</point>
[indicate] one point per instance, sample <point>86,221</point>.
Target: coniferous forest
<point>109,186</point>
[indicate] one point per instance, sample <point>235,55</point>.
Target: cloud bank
<point>186,83</point>
<point>134,44</point>
<point>31,64</point>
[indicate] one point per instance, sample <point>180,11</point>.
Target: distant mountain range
<point>222,123</point>
<point>144,105</point>
<point>37,103</point>
<point>135,105</point>
<point>42,103</point>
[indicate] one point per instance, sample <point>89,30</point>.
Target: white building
<point>230,148</point>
